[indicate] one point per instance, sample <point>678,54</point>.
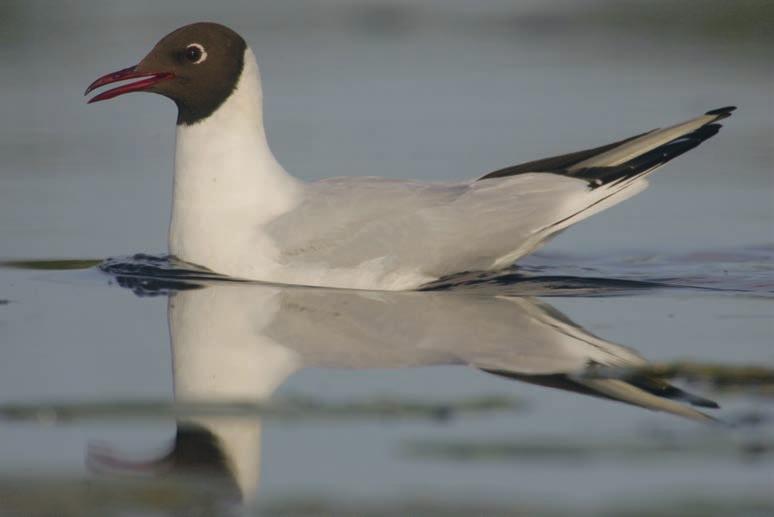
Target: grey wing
<point>346,221</point>
<point>436,229</point>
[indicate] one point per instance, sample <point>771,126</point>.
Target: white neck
<point>227,182</point>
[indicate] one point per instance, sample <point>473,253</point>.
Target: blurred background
<point>426,89</point>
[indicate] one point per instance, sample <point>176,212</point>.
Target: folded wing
<point>412,232</point>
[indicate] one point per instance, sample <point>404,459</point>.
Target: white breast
<point>227,184</point>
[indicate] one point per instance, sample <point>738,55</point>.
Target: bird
<point>237,212</point>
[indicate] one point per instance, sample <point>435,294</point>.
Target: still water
<point>132,387</point>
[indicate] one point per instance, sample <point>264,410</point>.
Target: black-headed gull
<point>239,213</point>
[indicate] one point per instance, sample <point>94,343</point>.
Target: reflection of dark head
<point>197,451</point>
<point>196,454</point>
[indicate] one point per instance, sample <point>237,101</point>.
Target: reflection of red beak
<point>149,79</point>
<point>100,458</point>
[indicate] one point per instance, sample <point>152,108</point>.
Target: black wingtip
<point>668,391</point>
<point>722,113</point>
<point>705,132</point>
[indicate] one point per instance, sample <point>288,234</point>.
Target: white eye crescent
<point>195,53</point>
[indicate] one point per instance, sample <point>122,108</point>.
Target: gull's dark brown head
<point>197,66</point>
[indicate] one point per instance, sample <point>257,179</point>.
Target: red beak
<point>148,80</point>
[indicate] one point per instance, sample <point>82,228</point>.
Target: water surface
<point>328,402</point>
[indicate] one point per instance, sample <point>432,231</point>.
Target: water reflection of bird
<point>236,211</point>
<point>240,341</point>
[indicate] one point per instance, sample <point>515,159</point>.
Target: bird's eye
<point>195,53</point>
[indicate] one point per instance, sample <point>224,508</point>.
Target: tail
<point>626,159</point>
